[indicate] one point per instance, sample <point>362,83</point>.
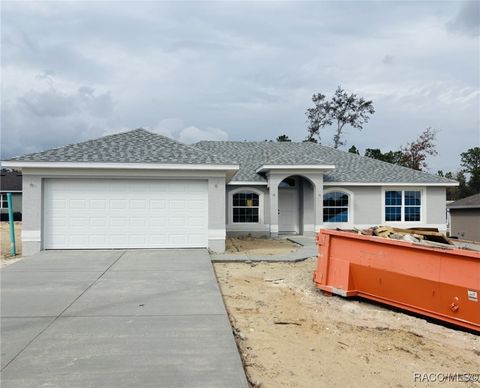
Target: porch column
<point>317,201</point>
<point>273,182</point>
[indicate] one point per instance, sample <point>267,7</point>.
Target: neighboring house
<point>11,182</point>
<point>465,218</point>
<point>142,190</point>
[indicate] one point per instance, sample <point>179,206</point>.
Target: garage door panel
<point>92,213</point>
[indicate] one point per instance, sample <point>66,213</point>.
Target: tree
<point>394,157</point>
<point>416,152</point>
<point>470,161</point>
<point>283,138</point>
<point>354,150</point>
<point>310,139</point>
<point>343,109</point>
<point>452,192</point>
<point>463,190</point>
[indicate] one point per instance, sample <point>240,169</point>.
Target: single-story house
<point>465,218</point>
<point>11,182</point>
<point>143,190</point>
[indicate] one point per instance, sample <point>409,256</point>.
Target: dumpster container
<point>436,282</point>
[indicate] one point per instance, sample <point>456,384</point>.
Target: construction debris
<point>425,236</point>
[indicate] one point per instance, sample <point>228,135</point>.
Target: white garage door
<point>99,213</point>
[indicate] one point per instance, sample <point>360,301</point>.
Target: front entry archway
<point>295,201</point>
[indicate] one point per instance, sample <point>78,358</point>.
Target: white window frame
<point>1,201</point>
<point>350,208</point>
<point>402,222</point>
<point>260,205</point>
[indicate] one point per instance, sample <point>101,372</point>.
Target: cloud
<point>71,70</point>
<point>467,20</point>
<point>191,135</point>
<point>388,59</point>
<point>46,117</point>
<point>177,129</point>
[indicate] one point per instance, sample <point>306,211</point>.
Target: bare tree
<point>343,109</point>
<point>415,153</point>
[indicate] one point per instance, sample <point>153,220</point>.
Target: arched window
<point>245,207</point>
<point>335,207</point>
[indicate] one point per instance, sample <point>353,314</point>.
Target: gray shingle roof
<point>469,202</point>
<point>348,167</point>
<point>137,146</point>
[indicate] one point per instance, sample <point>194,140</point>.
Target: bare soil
<point>291,335</point>
<point>258,246</point>
<point>5,257</point>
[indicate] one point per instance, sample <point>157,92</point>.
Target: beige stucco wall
<point>465,224</point>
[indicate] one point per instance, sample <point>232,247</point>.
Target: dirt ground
<point>258,246</point>
<point>291,335</point>
<point>5,257</point>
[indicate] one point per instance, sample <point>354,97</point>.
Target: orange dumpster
<point>436,282</point>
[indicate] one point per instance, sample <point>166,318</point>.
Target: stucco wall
<point>367,208</point>
<point>436,205</point>
<point>31,214</point>
<point>263,228</point>
<point>465,223</point>
<point>216,214</point>
<point>260,229</point>
<point>308,213</point>
<point>367,203</point>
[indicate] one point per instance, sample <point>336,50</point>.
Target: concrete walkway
<point>149,318</point>
<point>307,248</point>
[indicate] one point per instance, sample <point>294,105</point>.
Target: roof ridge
<point>184,144</point>
<point>296,152</point>
<point>251,141</point>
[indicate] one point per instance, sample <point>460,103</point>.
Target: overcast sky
<point>238,71</point>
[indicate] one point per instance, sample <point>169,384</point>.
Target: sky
<point>194,71</point>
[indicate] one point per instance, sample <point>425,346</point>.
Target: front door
<point>287,210</point>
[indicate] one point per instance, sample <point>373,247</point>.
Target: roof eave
<point>429,184</point>
<point>230,169</point>
<point>149,166</point>
<point>313,167</point>
<point>464,207</point>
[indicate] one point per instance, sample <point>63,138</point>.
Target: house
<point>11,182</point>
<point>465,218</point>
<point>142,190</point>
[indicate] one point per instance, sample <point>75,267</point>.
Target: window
<point>245,207</point>
<point>335,207</point>
<point>287,183</point>
<point>403,205</point>
<point>3,201</point>
<point>393,206</point>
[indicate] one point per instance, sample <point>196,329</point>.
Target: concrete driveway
<point>136,318</point>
